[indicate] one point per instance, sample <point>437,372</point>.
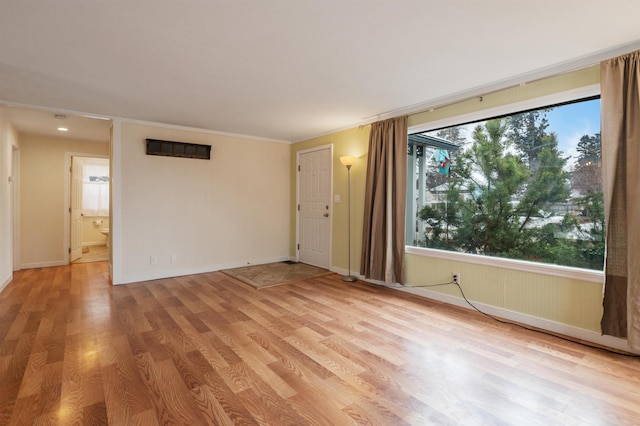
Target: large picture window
<point>525,186</point>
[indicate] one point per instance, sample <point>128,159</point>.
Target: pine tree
<point>505,179</point>
<point>587,175</point>
<point>493,177</point>
<point>587,180</point>
<point>528,131</point>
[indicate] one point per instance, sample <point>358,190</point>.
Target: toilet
<point>105,231</point>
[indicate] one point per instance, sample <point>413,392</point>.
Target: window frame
<point>505,263</point>
<point>98,186</point>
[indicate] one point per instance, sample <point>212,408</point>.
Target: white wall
<point>42,196</point>
<point>196,215</point>
<point>91,235</point>
<point>8,138</point>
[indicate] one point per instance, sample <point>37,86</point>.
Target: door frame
<point>15,205</point>
<point>297,242</point>
<point>66,241</point>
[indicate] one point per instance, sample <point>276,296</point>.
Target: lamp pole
<point>348,161</point>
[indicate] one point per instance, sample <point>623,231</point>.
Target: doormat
<point>270,274</point>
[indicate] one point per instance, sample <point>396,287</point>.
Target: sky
<point>569,122</point>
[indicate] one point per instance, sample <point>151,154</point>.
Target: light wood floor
<point>206,349</point>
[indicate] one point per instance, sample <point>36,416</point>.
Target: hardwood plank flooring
<point>210,350</point>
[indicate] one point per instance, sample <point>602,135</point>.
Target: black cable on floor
<point>501,321</point>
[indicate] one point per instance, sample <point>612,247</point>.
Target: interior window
<point>525,186</point>
<point>95,189</point>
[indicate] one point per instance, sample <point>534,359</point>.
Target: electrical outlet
<point>153,260</point>
<point>174,258</point>
<point>456,277</point>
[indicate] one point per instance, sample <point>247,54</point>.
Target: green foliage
<point>587,176</point>
<point>503,186</point>
<point>440,218</point>
<point>488,222</point>
<point>592,252</point>
<point>589,149</point>
<point>527,131</point>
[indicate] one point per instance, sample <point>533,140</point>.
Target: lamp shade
<point>348,160</point>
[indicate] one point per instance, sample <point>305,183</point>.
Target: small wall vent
<point>178,149</point>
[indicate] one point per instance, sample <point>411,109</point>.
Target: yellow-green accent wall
<point>571,302</point>
<point>536,89</point>
<point>566,301</point>
<point>348,142</point>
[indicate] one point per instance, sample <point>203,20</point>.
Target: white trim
<point>574,64</point>
<point>544,324</point>
<point>552,326</point>
<point>564,67</point>
<point>133,278</point>
<point>513,264</point>
<point>315,148</point>
<point>535,75</point>
<point>297,242</point>
<point>67,197</point>
<point>200,130</point>
<point>140,122</point>
<point>15,205</point>
<point>45,264</point>
<point>512,108</point>
<point>55,110</point>
<point>115,210</point>
<point>345,272</point>
<point>66,206</point>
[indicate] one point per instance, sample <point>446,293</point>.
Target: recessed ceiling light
<point>63,129</point>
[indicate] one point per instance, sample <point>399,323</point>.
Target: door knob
<point>326,215</point>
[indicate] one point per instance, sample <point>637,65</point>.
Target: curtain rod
<point>480,96</point>
<point>567,67</point>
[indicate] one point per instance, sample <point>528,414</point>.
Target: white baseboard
<point>552,326</point>
<point>537,322</point>
<point>544,324</point>
<point>345,272</point>
<point>194,271</point>
<point>43,264</point>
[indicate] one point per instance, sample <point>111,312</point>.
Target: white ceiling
<point>44,122</point>
<point>290,69</point>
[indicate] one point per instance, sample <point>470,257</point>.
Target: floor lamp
<point>348,161</point>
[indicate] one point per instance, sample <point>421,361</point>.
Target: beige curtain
<point>384,206</point>
<point>620,106</point>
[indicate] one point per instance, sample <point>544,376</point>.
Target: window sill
<point>517,265</point>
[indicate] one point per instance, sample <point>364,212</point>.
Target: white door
<point>75,238</point>
<point>314,207</point>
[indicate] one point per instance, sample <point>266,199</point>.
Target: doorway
<point>89,211</point>
<point>314,206</point>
